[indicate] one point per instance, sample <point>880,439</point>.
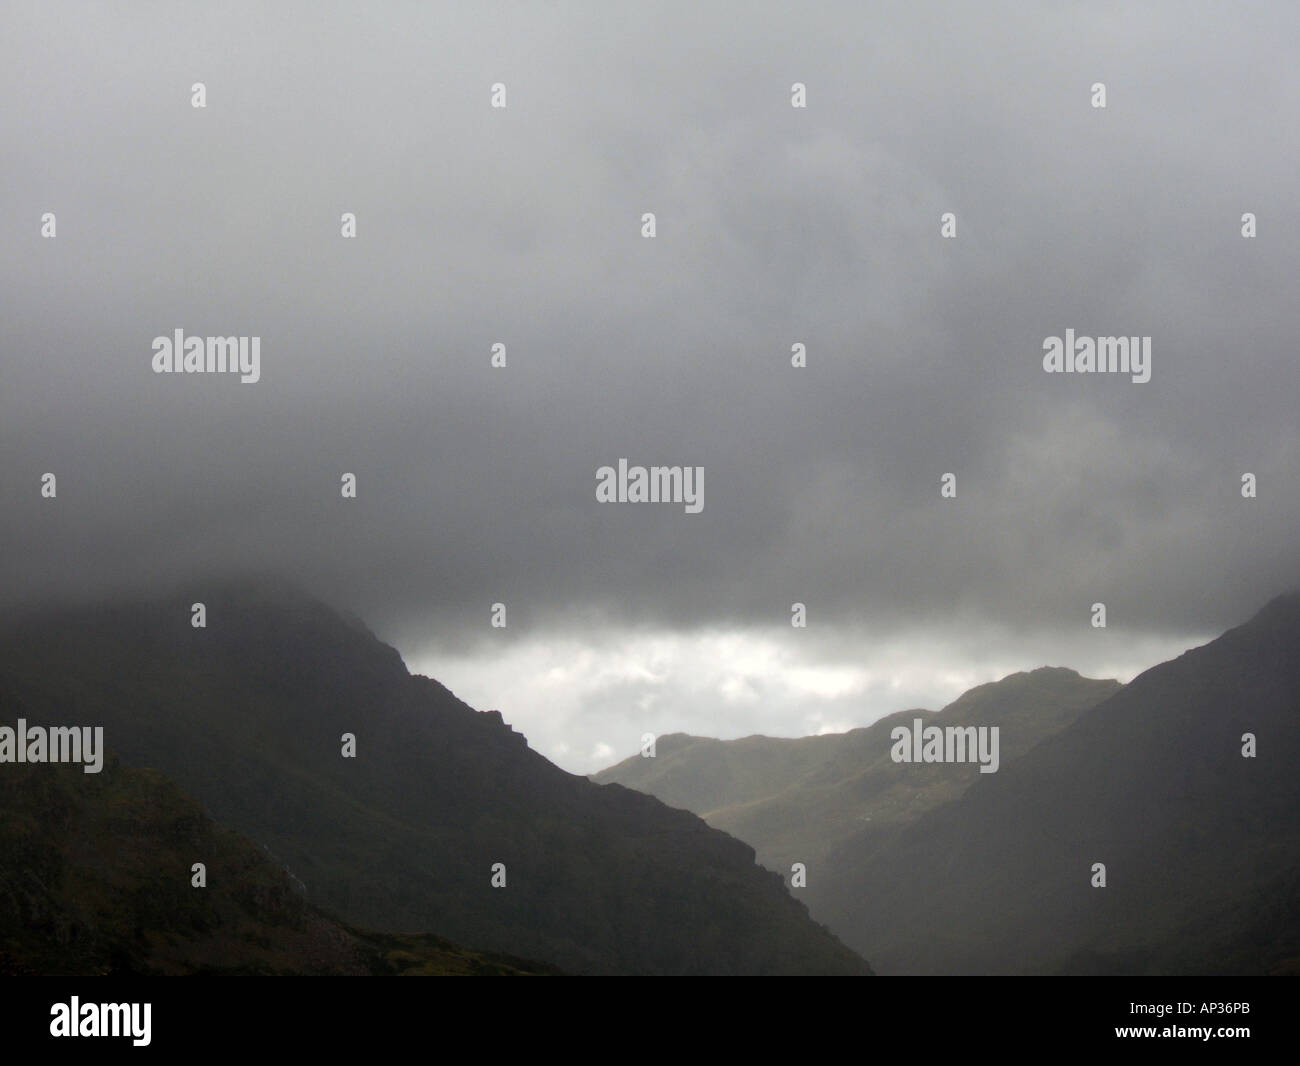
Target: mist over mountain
<point>777,225</point>
<point>248,715</point>
<point>977,318</point>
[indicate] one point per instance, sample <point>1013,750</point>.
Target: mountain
<point>1201,845</point>
<point>248,716</point>
<point>95,878</point>
<point>795,800</point>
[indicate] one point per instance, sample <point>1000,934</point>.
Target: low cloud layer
<point>775,225</point>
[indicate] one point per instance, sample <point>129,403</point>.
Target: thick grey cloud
<point>775,225</point>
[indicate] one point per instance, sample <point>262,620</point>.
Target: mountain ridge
<point>797,798</point>
<point>1201,845</point>
<point>248,715</point>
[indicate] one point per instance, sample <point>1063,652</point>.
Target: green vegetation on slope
<point>795,800</point>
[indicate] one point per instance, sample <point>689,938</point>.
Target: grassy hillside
<point>796,800</point>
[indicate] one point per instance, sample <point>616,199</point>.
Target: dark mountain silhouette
<point>795,800</point>
<point>247,715</point>
<point>95,879</point>
<point>1201,846</point>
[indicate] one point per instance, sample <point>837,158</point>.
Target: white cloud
<point>585,702</point>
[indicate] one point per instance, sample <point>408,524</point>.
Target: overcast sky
<point>775,225</point>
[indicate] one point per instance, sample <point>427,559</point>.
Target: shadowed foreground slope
<point>95,879</point>
<point>247,715</point>
<point>1201,846</point>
